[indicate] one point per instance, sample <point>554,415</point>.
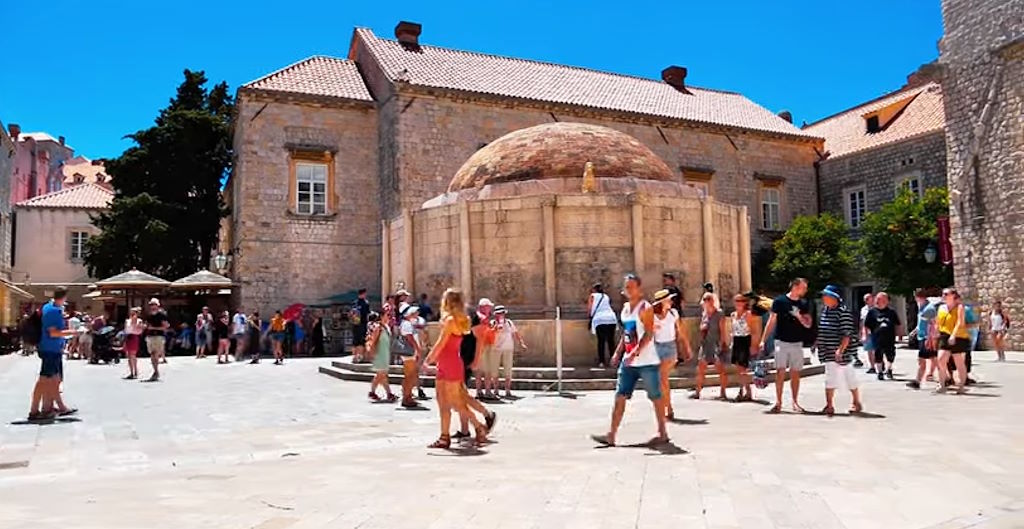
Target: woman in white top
<point>602,322</point>
<point>668,332</point>
<point>746,338</point>
<point>133,329</point>
<point>639,360</point>
<point>999,323</point>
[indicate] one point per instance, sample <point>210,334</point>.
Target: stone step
<point>548,373</point>
<point>568,384</point>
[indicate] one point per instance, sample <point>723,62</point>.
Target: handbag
<point>593,311</point>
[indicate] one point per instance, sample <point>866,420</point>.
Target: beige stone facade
<point>401,145</point>
<point>982,55</point>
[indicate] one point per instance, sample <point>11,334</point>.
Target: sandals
<point>481,436</point>
<point>392,397</point>
<point>603,440</point>
<point>444,442</point>
<point>671,415</point>
<point>490,420</point>
<point>829,411</point>
<point>857,408</point>
<point>67,412</point>
<point>460,435</point>
<point>373,396</point>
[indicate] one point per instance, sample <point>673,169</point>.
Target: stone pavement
<point>268,447</point>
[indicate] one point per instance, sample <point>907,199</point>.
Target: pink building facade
<point>38,163</point>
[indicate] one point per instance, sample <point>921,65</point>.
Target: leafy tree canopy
<point>894,239</point>
<point>817,248</point>
<point>165,216</point>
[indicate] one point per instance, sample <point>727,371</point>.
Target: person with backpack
<point>603,322</point>
<point>927,336</point>
<point>50,332</point>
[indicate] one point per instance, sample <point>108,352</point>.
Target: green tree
<point>166,212</point>
<point>894,239</point>
<point>817,248</point>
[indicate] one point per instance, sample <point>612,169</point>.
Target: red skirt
<point>131,344</point>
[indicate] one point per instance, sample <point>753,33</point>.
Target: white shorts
<point>789,355</point>
<point>837,375</point>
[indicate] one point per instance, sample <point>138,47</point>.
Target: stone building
<point>327,148</point>
<point>982,56</point>
<point>877,148</point>
<point>9,294</point>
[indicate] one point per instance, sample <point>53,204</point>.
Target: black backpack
<point>32,328</point>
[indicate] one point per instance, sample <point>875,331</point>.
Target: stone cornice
<point>260,95</point>
<point>597,113</point>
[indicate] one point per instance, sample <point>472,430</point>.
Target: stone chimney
<point>675,76</point>
<point>786,115</point>
<point>14,130</point>
<point>408,34</point>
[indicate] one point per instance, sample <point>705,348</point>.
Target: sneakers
<point>888,374</point>
<point>858,364</point>
<point>881,375</point>
<point>422,395</point>
<point>871,370</point>
<point>913,384</point>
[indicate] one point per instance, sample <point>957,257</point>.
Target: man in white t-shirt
<point>865,335</point>
<point>505,337</point>
<point>239,324</point>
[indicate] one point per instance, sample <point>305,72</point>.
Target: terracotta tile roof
<point>83,196</point>
<point>846,133</point>
<point>83,167</point>
<point>435,67</point>
<point>318,76</point>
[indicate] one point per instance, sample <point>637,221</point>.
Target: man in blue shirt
<point>46,394</point>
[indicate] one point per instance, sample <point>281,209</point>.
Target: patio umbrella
<point>202,280</point>
<point>293,311</point>
<point>131,281</point>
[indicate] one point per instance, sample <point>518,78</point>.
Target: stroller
<point>105,347</point>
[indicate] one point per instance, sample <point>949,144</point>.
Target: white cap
<point>484,302</point>
<point>154,301</point>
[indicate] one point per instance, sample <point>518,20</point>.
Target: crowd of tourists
<point>474,346</point>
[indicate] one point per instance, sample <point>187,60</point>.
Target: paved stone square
<point>243,446</point>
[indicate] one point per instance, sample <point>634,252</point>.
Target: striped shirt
<point>834,325</point>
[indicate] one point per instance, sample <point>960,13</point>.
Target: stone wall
<point>434,135</point>
<point>593,238</point>
<point>282,257</point>
<point>881,169</point>
<point>982,55</point>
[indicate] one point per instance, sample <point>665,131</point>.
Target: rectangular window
<point>78,239</point>
<point>771,199</point>
<point>911,182</point>
<point>311,188</point>
<point>856,206</point>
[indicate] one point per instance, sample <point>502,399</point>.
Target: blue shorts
<point>52,365</point>
<point>666,350</point>
<point>869,344</point>
<point>277,336</point>
<point>629,375</point>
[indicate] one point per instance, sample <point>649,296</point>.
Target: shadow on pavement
<point>694,422</point>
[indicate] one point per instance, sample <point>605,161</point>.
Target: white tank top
<point>633,332</point>
<point>665,327</point>
<point>740,326</point>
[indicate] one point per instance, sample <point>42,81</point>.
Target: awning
<point>15,290</point>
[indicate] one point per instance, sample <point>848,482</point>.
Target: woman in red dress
<point>451,392</point>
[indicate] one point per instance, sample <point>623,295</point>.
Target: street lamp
<point>931,253</point>
<point>220,261</point>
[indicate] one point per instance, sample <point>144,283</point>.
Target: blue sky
<point>94,71</point>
